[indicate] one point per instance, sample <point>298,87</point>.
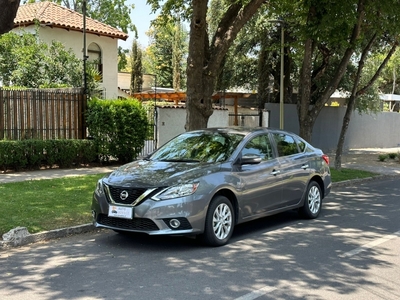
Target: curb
<point>79,229</point>
<point>48,235</point>
<point>361,180</point>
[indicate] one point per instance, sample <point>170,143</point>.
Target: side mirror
<point>250,159</point>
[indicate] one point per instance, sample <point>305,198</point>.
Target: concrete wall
<point>365,131</point>
<point>171,122</point>
<point>74,40</point>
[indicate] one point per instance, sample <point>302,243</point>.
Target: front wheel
<point>312,202</point>
<point>219,222</point>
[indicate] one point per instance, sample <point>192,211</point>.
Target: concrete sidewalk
<point>52,173</point>
<point>367,159</point>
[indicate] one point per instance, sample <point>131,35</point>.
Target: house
<point>62,24</point>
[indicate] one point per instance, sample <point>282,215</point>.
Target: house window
<point>94,59</point>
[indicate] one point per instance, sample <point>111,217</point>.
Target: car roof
<point>243,129</point>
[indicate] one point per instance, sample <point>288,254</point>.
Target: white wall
<point>74,40</point>
<point>379,130</point>
<point>171,122</point>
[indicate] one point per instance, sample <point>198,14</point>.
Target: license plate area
<point>123,212</point>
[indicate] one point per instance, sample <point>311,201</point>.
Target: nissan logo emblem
<point>124,195</point>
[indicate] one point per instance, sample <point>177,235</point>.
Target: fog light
<point>174,223</point>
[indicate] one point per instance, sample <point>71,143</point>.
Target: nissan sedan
<point>205,182</point>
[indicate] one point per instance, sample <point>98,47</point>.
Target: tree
<point>136,68</point>
<point>358,91</point>
<point>239,68</point>
<point>178,50</point>
<point>168,45</point>
<point>28,62</point>
<point>389,81</point>
<point>111,12</point>
<point>205,57</point>
<point>8,12</point>
<point>331,45</point>
<point>122,59</point>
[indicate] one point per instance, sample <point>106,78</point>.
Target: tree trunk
<point>355,94</point>
<point>304,102</point>
<point>205,59</point>
<point>345,126</point>
<point>8,12</point>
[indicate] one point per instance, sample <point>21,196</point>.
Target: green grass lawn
<point>348,174</point>
<point>41,205</point>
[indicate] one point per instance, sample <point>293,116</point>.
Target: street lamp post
<point>281,83</point>
<point>85,88</point>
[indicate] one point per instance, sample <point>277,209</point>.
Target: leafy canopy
<point>29,62</point>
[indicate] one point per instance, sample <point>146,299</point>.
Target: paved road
<point>350,252</point>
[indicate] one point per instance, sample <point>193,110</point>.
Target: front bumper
<point>154,217</point>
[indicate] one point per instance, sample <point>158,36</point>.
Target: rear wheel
<point>219,222</point>
<point>312,202</point>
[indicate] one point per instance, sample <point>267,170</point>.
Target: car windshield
<point>199,146</point>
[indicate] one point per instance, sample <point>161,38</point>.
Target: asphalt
<point>357,161</point>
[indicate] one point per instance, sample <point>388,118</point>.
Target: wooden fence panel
<point>42,114</point>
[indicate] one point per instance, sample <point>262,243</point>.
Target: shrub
<point>382,157</point>
<point>392,155</point>
<point>118,128</point>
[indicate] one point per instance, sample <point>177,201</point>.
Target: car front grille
<point>140,224</point>
<point>133,194</point>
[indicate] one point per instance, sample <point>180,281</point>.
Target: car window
<point>199,146</point>
<point>260,146</point>
<point>301,144</point>
<point>285,144</point>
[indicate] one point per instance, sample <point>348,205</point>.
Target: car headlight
<point>176,191</point>
<point>99,188</point>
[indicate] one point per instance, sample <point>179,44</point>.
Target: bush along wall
<point>118,128</point>
<point>32,154</point>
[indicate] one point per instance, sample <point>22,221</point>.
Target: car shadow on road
<point>247,230</point>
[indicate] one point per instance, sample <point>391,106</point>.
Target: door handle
<point>304,167</point>
<point>275,172</point>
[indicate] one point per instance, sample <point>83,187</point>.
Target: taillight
<point>325,158</point>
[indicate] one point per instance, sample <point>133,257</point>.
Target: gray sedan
<point>205,182</point>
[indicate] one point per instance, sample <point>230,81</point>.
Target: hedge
<point>32,154</point>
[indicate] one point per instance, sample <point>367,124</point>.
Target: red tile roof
<point>54,15</point>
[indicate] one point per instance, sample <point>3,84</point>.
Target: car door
<point>261,189</point>
<point>294,167</point>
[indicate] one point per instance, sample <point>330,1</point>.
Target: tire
<point>312,202</point>
<point>219,223</point>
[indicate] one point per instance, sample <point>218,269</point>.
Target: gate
<point>150,144</point>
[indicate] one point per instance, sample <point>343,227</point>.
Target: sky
<point>141,16</point>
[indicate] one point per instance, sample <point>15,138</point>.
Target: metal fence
<point>42,114</point>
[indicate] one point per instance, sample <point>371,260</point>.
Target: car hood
<point>144,173</point>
